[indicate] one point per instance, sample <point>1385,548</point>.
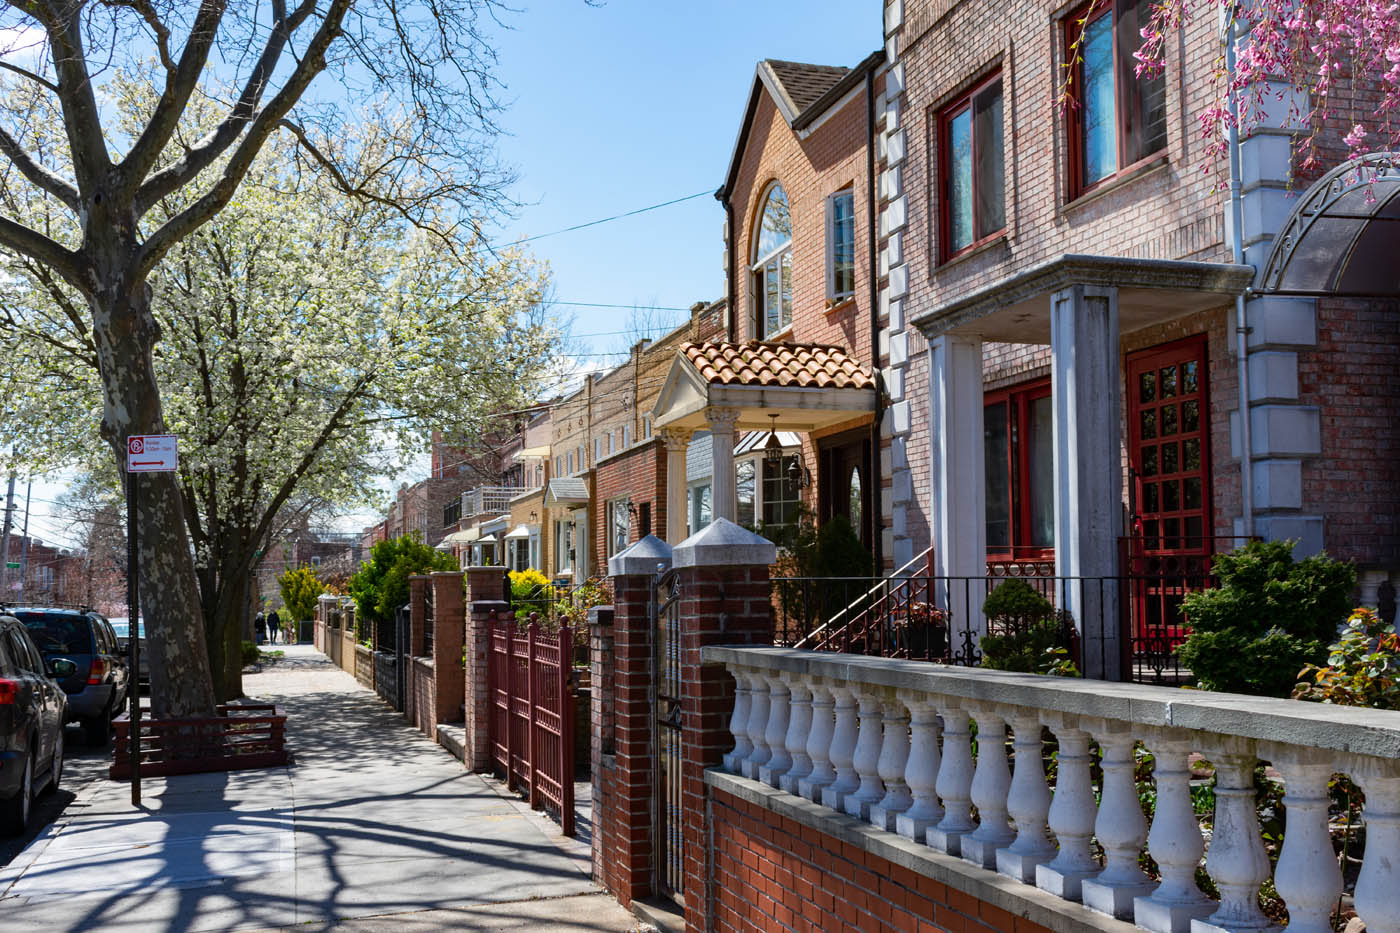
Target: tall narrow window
<point>744,492</point>
<point>772,264</point>
<point>1117,118</point>
<point>1018,453</point>
<point>841,245</point>
<point>974,183</point>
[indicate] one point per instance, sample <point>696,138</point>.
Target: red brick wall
<point>773,873</point>
<point>638,474</point>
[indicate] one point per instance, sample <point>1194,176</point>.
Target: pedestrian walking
<point>260,628</point>
<point>274,625</point>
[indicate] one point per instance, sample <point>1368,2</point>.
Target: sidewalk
<point>372,823</point>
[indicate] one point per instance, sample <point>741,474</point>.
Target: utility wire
<point>594,223</point>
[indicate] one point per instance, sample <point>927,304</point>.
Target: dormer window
<point>772,264</point>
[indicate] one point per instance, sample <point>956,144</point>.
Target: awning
<point>519,531</point>
<point>567,490</point>
<point>461,537</point>
<point>494,526</point>
<point>542,452</point>
<point>1342,237</point>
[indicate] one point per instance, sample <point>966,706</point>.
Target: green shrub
<point>380,586</point>
<point>1362,669</point>
<point>1022,626</point>
<point>250,653</point>
<point>300,590</point>
<point>1269,617</point>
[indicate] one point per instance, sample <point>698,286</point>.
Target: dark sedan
<point>31,723</point>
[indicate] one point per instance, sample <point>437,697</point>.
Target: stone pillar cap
<point>640,558</point>
<point>722,543</point>
<point>496,567</point>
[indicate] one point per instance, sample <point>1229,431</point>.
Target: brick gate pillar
<point>624,777</point>
<point>485,594</point>
<point>448,633</point>
<point>725,599</point>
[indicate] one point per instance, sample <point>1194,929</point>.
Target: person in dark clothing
<point>260,628</point>
<point>274,625</point>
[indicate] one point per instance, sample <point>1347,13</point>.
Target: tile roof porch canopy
<point>808,386</point>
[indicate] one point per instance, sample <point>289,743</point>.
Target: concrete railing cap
<point>640,558</point>
<point>725,544</point>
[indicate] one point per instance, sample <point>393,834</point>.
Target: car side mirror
<point>61,668</point>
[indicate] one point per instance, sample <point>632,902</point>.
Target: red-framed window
<point>972,176</point>
<point>1018,453</point>
<point>1116,119</point>
<point>1169,446</point>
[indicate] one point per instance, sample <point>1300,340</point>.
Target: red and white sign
<point>151,453</point>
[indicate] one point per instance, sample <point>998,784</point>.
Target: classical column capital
<point>722,420</point>
<point>676,438</point>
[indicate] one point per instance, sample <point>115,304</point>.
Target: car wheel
<point>15,811</point>
<point>56,764</point>
<point>97,729</point>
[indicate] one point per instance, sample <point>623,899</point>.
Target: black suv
<point>98,687</point>
<point>31,723</point>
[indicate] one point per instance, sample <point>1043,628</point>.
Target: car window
<point>58,633</point>
<point>23,656</point>
<point>7,664</point>
<point>109,641</point>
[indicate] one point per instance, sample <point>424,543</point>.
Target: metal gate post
<point>566,729</point>
<point>532,742</point>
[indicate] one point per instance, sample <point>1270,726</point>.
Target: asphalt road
<point>82,763</point>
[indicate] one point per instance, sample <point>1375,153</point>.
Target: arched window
<point>772,264</point>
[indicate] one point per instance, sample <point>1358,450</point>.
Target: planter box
<point>240,737</point>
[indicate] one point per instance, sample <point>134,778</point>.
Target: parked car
<point>32,709</point>
<point>98,687</point>
<point>122,626</point>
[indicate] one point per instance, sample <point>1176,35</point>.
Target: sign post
<point>145,453</point>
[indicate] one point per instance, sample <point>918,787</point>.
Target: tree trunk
<point>125,333</point>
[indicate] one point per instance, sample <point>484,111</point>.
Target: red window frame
<point>945,156</point>
<point>1074,28</point>
<point>1018,399</point>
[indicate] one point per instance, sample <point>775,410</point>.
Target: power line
<point>594,223</point>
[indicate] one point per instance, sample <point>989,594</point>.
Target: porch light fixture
<point>800,476</point>
<point>773,448</point>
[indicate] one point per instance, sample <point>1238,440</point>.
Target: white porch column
<point>725,498</point>
<point>1088,465</point>
<point>676,441</point>
<point>959,506</point>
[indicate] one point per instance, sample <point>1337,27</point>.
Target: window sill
<point>784,334</point>
<point>998,240</point>
<point>1149,166</point>
<point>839,304</point>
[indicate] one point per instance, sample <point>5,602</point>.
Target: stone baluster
<point>1175,841</point>
<point>819,743</point>
<point>867,758</point>
<point>990,784</point>
<point>1028,802</point>
<point>1072,812</point>
<point>1378,886</point>
<point>1236,861</point>
<point>739,723</point>
<point>1121,828</point>
<point>921,770</point>
<point>799,730</point>
<point>776,734</point>
<point>758,726</point>
<point>1307,875</point>
<point>843,748</point>
<point>894,758</point>
<point>954,783</point>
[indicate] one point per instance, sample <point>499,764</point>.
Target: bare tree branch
<point>37,174</point>
<point>73,267</point>
<point>26,73</point>
<point>81,117</point>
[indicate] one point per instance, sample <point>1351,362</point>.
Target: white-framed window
<point>597,449</point>
<point>841,245</point>
<point>563,546</point>
<point>745,472</point>
<point>570,458</point>
<point>771,264</point>
<point>646,426</point>
<point>612,438</point>
<point>701,512</point>
<point>535,550</point>
<point>626,436</point>
<point>619,525</point>
<point>559,465</point>
<point>782,497</point>
<point>581,466</point>
<point>520,554</point>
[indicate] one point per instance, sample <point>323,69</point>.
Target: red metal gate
<point>532,713</point>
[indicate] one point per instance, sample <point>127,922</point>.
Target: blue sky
<point>634,103</point>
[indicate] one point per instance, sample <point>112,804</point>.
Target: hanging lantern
<point>773,448</point>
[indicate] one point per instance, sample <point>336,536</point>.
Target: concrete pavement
<point>373,825</point>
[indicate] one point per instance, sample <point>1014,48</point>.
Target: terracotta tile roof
<point>803,83</point>
<point>796,365</point>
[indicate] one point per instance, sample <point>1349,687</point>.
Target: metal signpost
<point>145,453</point>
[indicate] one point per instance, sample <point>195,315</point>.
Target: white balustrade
<point>921,771</point>
<point>819,744</point>
<point>867,759</point>
<point>954,783</point>
<point>890,742</point>
<point>991,782</point>
<point>1121,828</point>
<point>843,749</point>
<point>894,758</point>
<point>776,734</point>
<point>799,728</point>
<point>1072,813</point>
<point>1174,841</point>
<point>1028,802</point>
<point>758,726</point>
<point>739,725</point>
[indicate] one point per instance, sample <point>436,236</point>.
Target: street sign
<point>12,565</point>
<point>150,453</point>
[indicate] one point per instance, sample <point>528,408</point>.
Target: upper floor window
<point>1117,118</point>
<point>973,173</point>
<point>772,264</point>
<point>841,245</point>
